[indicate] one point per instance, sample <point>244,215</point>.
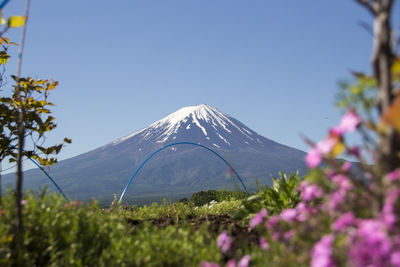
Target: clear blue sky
<point>122,65</point>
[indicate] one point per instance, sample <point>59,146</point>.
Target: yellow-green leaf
<point>3,57</point>
<point>16,21</point>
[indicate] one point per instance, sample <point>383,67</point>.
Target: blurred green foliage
<point>60,233</point>
<point>281,195</point>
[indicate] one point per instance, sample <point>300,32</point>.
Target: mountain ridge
<point>106,170</point>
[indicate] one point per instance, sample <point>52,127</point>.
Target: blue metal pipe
<point>181,143</point>
<point>51,179</point>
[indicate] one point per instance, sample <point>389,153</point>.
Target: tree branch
<point>367,4</point>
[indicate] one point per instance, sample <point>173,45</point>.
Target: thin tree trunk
<point>21,134</point>
<point>1,195</point>
<point>382,60</point>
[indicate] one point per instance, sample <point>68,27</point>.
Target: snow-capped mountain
<point>179,170</point>
<point>202,124</point>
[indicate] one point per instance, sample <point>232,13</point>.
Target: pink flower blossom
<point>394,175</point>
<point>244,261</point>
<point>371,245</point>
<point>348,123</point>
<point>272,221</point>
<point>322,252</point>
<point>224,241</point>
<point>23,202</point>
<point>395,259</point>
<point>346,166</point>
<point>258,218</point>
<point>263,243</point>
<point>387,215</point>
<point>335,199</point>
<point>313,158</point>
<point>231,263</point>
<point>310,192</point>
<point>288,215</point>
<point>343,182</point>
<point>208,264</point>
<point>303,211</point>
<point>343,221</point>
<point>289,234</point>
<point>325,146</point>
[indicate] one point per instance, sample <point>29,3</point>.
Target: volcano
<point>178,170</point>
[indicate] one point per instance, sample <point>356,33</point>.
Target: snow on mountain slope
<point>201,124</point>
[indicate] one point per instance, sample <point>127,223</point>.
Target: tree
<point>25,114</point>
<point>382,60</point>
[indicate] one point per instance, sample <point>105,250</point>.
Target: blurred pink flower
<point>346,166</point>
<point>322,252</point>
<point>310,192</point>
<point>289,234</point>
<point>244,261</point>
<point>344,221</point>
<point>272,221</point>
<point>348,123</point>
<point>371,245</point>
<point>342,181</point>
<point>288,215</point>
<point>23,202</point>
<point>231,263</point>
<point>208,264</point>
<point>313,158</point>
<point>325,146</point>
<point>394,175</point>
<point>263,243</point>
<point>258,218</point>
<point>395,259</point>
<point>2,211</point>
<point>335,199</point>
<point>224,241</point>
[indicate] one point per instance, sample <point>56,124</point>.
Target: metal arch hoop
<point>51,179</point>
<point>181,143</point>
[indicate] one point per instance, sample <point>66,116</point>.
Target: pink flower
<point>288,215</point>
<point>343,221</point>
<point>348,123</point>
<point>23,202</point>
<point>346,166</point>
<point>394,175</point>
<point>258,218</point>
<point>263,243</point>
<point>395,259</point>
<point>244,261</point>
<point>371,245</point>
<point>208,264</point>
<point>387,214</point>
<point>231,263</point>
<point>343,182</point>
<point>313,158</point>
<point>325,146</point>
<point>310,192</point>
<point>224,241</point>
<point>289,234</point>
<point>272,221</point>
<point>322,252</point>
<point>335,199</point>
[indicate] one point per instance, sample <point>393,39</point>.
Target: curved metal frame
<point>180,143</point>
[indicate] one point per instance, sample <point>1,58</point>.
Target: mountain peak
<point>202,122</point>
